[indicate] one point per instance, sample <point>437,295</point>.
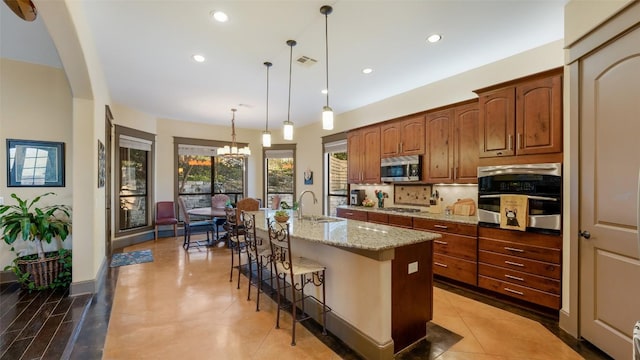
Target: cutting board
<point>465,207</point>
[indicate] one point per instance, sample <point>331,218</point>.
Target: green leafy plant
<point>34,224</point>
<point>27,222</point>
<point>282,213</point>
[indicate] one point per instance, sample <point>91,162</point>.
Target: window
<point>279,163</point>
<point>336,186</point>
<point>135,165</point>
<point>202,174</point>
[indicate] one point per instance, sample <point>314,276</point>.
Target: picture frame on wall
<point>101,164</point>
<point>33,163</point>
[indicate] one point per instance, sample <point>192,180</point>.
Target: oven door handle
<point>531,197</point>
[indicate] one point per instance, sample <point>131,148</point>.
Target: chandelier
<point>233,150</point>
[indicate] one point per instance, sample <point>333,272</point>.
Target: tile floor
<point>182,305</point>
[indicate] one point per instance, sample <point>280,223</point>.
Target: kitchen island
<point>379,279</point>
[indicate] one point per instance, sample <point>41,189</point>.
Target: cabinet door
<point>354,154</point>
<point>439,156</point>
<point>539,116</point>
<point>390,139</point>
<point>497,123</point>
<point>466,144</point>
<point>371,155</point>
<point>412,136</point>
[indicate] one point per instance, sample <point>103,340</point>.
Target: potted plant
<point>29,223</point>
<point>281,216</point>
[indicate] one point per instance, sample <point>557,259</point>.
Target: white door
<point>609,163</point>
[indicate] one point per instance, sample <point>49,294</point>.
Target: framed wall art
<point>32,163</point>
<point>101,164</point>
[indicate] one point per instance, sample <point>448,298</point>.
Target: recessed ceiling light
<point>434,38</point>
<point>324,91</point>
<point>219,16</point>
<point>367,70</point>
<point>198,58</point>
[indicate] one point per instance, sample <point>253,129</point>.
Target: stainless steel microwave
<point>401,168</point>
<point>541,183</point>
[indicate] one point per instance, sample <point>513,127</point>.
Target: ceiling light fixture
<point>233,150</point>
<point>198,58</point>
<point>266,135</point>
<point>327,112</point>
<point>288,125</point>
<point>434,38</point>
<point>367,70</point>
<point>219,16</point>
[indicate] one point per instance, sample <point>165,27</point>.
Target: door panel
<point>609,163</point>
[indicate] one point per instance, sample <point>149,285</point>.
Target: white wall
<point>35,104</point>
<point>582,16</point>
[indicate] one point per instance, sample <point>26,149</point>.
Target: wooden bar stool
<point>258,252</point>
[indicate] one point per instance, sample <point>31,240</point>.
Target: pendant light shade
<point>266,135</point>
<point>233,150</point>
<point>327,112</point>
<point>288,125</point>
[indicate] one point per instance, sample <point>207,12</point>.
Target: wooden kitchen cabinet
<point>351,214</point>
<point>403,137</point>
<point>523,117</point>
<point>452,145</point>
<point>455,254</point>
<point>523,265</point>
<point>363,150</point>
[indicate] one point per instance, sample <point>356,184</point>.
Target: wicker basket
<point>281,219</point>
<point>43,271</point>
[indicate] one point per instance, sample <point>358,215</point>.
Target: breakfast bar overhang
<point>379,280</point>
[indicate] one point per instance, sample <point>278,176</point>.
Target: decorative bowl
<point>281,218</point>
<point>368,203</point>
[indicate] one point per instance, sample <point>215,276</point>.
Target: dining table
<point>217,214</point>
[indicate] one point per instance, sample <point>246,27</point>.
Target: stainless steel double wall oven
<point>541,183</point>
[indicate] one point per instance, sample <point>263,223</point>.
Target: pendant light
<point>266,135</point>
<point>327,112</point>
<point>233,150</point>
<point>288,125</point>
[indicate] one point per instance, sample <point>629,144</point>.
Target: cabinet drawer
<point>445,226</point>
<point>376,217</point>
<point>401,221</point>
<point>520,292</point>
<point>520,250</point>
<point>456,269</point>
<point>533,281</point>
<point>457,246</point>
<point>520,264</point>
<point>351,214</point>
<point>521,237</point>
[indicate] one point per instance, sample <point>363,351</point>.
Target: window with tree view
<point>336,186</point>
<point>280,175</point>
<point>202,175</point>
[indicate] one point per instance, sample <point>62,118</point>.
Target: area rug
<point>130,258</point>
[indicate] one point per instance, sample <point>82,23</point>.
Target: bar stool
<point>235,235</point>
<point>307,271</point>
<point>258,252</point>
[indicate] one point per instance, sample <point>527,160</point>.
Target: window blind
<point>135,143</point>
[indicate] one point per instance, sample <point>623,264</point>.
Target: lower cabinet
<point>522,265</point>
<point>351,214</point>
<point>455,254</point>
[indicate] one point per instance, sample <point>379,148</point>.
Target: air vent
<point>306,61</point>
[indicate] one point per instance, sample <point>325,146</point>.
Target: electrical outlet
<point>413,267</point>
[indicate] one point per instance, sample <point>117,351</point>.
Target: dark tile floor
<point>79,325</point>
<point>37,325</point>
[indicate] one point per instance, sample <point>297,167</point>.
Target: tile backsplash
<point>448,193</point>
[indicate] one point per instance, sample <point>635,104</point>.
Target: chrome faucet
<point>315,201</point>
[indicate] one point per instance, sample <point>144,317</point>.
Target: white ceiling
<point>145,47</point>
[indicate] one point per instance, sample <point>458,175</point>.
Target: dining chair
<point>259,253</point>
<point>165,215</point>
<point>191,227</point>
<point>300,271</point>
<point>219,201</point>
<point>235,235</point>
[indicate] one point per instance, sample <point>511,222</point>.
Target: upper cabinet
<point>452,145</point>
<point>403,137</point>
<point>523,118</point>
<point>363,151</point>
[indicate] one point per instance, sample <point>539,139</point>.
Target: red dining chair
<point>165,215</point>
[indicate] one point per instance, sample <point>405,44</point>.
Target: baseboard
<point>568,324</point>
<point>7,277</point>
<point>89,286</point>
<point>123,242</point>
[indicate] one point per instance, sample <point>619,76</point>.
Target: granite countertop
<point>471,220</point>
<point>350,234</point>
